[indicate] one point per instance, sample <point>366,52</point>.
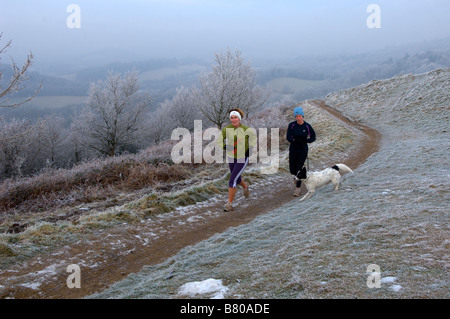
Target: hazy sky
<point>197,28</point>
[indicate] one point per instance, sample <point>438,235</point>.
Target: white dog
<point>315,180</point>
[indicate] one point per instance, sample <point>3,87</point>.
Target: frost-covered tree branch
<point>16,147</point>
<point>231,84</point>
<point>15,84</point>
<point>113,114</point>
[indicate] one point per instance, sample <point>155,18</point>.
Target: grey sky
<point>143,29</point>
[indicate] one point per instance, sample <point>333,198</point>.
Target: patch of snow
<point>33,285</point>
<point>396,288</point>
<point>194,219</point>
<point>209,286</point>
<point>388,280</point>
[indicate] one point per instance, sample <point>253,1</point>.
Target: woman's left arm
<point>312,135</point>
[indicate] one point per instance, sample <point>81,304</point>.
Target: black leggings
<point>296,162</point>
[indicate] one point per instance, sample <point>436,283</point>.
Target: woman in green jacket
<point>238,140</point>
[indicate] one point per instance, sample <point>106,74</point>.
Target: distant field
<point>285,84</point>
<point>42,106</point>
<point>55,102</point>
<point>163,73</point>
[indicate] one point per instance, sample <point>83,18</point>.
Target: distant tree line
<point>116,118</point>
<point>341,72</point>
<point>121,117</point>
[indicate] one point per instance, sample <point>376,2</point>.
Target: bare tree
<point>52,137</point>
<point>182,109</point>
<point>111,120</point>
<point>75,141</point>
<point>231,84</point>
<point>16,147</point>
<point>15,84</point>
<point>159,125</point>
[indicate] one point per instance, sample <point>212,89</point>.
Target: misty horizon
<point>101,32</point>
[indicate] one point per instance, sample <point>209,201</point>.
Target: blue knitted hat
<point>299,111</point>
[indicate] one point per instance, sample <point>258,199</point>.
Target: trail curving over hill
<point>110,256</point>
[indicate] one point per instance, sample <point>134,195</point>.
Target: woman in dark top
<point>299,134</point>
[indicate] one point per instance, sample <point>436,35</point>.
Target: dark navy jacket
<point>300,135</point>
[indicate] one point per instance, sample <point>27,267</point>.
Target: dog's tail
<point>342,168</point>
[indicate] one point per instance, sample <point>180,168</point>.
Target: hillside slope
<point>147,226</point>
<point>392,212</point>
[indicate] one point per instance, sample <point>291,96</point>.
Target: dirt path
<point>110,256</point>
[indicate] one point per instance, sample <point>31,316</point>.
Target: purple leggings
<point>236,169</point>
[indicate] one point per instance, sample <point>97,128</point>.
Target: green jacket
<point>237,141</point>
